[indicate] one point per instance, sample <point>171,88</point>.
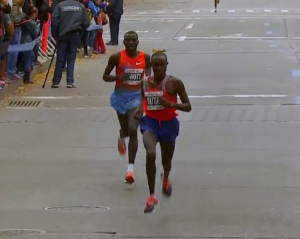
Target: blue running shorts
<point>165,131</point>
<point>123,101</point>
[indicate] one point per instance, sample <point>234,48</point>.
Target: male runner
<point>131,65</point>
<point>216,4</point>
<point>160,123</point>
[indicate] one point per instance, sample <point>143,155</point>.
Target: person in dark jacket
<point>44,11</point>
<point>30,31</point>
<point>115,12</point>
<point>69,22</point>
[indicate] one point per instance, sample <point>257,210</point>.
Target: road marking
<point>49,97</point>
<point>182,38</point>
<point>157,31</point>
<point>190,26</point>
<point>231,38</point>
<point>236,96</point>
<point>144,39</point>
<point>190,96</point>
<point>220,11</point>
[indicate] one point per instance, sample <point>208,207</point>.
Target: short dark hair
<point>159,54</point>
<point>131,32</point>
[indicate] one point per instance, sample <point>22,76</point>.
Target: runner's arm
<point>185,105</point>
<point>140,110</point>
<point>148,65</point>
<point>113,61</point>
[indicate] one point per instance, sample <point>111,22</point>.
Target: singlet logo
<point>134,76</point>
<point>152,98</point>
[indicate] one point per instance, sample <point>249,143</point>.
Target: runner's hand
<point>138,114</point>
<point>165,103</point>
<point>125,77</point>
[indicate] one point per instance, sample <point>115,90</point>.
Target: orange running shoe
<point>121,146</point>
<point>129,178</point>
<point>151,204</point>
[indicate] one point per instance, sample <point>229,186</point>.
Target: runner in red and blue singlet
<point>131,65</point>
<point>160,123</point>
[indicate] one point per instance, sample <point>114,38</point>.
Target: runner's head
<point>159,63</point>
<point>131,41</point>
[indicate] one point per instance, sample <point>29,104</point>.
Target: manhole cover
<point>20,232</point>
<point>78,208</point>
<point>23,103</point>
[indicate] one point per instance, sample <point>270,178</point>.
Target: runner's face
<point>159,65</point>
<point>131,42</point>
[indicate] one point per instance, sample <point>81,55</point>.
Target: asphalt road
<point>236,167</point>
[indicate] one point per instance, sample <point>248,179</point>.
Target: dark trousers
<point>114,26</point>
<point>66,51</point>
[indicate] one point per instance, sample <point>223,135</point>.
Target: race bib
<point>153,100</point>
<point>134,76</point>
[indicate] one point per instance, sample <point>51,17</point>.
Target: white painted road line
<point>144,39</point>
<point>220,10</point>
<point>231,38</point>
<point>190,96</point>
<point>190,26</point>
<point>182,38</point>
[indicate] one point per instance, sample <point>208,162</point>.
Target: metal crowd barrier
<point>50,48</point>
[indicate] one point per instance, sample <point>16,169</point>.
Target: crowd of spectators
<point>22,21</point>
<point>92,40</point>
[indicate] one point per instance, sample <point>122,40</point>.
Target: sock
<point>130,168</point>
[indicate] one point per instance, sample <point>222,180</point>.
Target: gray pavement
<point>236,167</point>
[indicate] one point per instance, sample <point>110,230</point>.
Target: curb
<point>12,88</point>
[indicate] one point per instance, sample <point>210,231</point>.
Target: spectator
<point>44,10</point>
<point>5,9</point>
<point>69,21</point>
<point>92,11</point>
<point>115,12</point>
<point>30,32</point>
<point>17,17</point>
<point>101,20</point>
<point>9,33</point>
<point>28,4</point>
